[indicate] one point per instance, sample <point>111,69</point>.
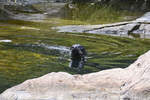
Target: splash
<point>61,49</point>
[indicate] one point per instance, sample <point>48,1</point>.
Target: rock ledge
<point>140,26</point>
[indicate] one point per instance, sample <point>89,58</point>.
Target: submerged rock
<point>131,83</point>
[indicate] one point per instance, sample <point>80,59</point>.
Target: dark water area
<point>30,49</point>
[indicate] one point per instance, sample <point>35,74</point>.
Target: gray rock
<point>76,28</point>
<point>29,17</point>
<point>4,14</point>
<point>139,26</point>
<point>116,30</point>
<point>144,18</point>
<point>143,29</point>
<point>131,83</point>
<point>96,29</point>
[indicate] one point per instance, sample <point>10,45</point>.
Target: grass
<point>24,59</point>
<point>96,14</point>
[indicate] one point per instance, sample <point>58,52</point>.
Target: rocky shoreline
<point>140,26</point>
<point>131,83</point>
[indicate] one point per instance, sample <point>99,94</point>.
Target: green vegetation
<point>96,14</point>
<point>25,58</point>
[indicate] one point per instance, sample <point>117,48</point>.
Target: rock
<point>4,14</point>
<point>137,87</point>
<point>76,28</point>
<point>143,29</point>
<point>139,26</point>
<point>116,30</point>
<point>144,18</point>
<point>55,9</point>
<point>131,83</point>
<point>91,28</point>
<point>29,17</point>
<point>110,29</point>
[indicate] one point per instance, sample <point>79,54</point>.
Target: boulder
<point>131,83</point>
<point>137,86</point>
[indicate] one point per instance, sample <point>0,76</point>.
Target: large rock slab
<point>138,85</point>
<point>76,28</point>
<point>139,26</point>
<point>116,30</point>
<point>131,83</point>
<point>88,28</point>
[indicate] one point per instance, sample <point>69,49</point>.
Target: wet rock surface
<point>131,83</point>
<point>32,12</point>
<point>46,10</point>
<point>139,26</point>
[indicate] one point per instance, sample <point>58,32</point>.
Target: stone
<point>139,26</point>
<point>75,28</point>
<point>144,18</point>
<point>116,30</point>
<point>144,29</point>
<point>137,87</point>
<point>4,14</point>
<point>131,83</point>
<point>95,29</point>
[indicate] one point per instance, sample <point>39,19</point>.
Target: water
<point>32,49</point>
<point>61,49</point>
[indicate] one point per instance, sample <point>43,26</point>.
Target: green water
<point>27,56</point>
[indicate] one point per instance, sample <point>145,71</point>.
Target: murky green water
<point>36,50</point>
